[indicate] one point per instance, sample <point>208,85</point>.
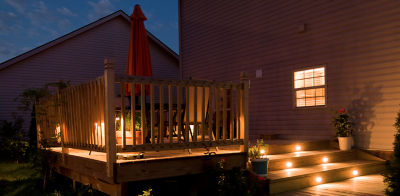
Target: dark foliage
<point>392,172</point>
<point>13,145</point>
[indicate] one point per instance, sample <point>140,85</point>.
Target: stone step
<point>304,158</point>
<point>301,177</point>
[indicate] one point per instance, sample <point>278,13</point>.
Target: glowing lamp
<point>117,118</point>
<point>318,179</point>
<point>262,151</point>
<point>289,164</point>
<point>355,172</point>
<point>298,148</point>
<point>325,159</point>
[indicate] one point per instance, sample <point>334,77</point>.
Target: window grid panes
<point>309,87</point>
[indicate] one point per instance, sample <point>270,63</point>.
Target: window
<point>309,87</point>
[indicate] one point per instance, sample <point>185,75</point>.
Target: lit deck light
<point>318,179</point>
<point>325,159</point>
<point>262,151</point>
<point>289,164</point>
<point>355,172</point>
<point>298,148</point>
<point>117,118</point>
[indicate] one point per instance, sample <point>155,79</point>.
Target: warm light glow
<point>262,151</point>
<point>325,159</point>
<point>318,179</point>
<point>289,164</point>
<point>355,172</point>
<point>58,132</point>
<point>117,118</point>
<point>298,148</point>
<point>99,134</point>
<point>191,127</point>
<point>303,80</point>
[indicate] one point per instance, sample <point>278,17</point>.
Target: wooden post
<point>161,111</point>
<point>187,123</point>
<point>152,113</point>
<point>178,111</point>
<point>61,122</point>
<point>203,103</point>
<point>194,131</point>
<point>210,114</point>
<point>109,116</point>
<point>231,104</point>
<point>224,114</point>
<point>143,123</point>
<point>217,113</point>
<point>244,116</point>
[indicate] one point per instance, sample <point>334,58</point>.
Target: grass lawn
<point>25,179</point>
<point>20,179</point>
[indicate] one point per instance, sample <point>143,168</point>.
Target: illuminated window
<point>309,86</point>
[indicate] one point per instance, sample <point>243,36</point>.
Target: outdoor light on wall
<point>318,179</point>
<point>325,159</point>
<point>298,148</point>
<point>289,164</point>
<point>355,172</point>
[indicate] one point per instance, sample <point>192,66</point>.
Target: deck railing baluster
<point>170,123</point>
<point>86,114</point>
<point>122,120</point>
<point>133,114</point>
<point>161,111</point>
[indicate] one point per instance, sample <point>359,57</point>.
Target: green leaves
<point>255,151</point>
<point>341,122</point>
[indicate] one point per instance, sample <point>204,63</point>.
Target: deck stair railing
<point>155,115</point>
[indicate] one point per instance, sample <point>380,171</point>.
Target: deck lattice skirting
<point>175,114</point>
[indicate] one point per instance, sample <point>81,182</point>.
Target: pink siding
<point>78,59</point>
<point>358,41</point>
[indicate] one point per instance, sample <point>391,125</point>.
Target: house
<point>348,51</point>
<point>111,142</point>
<point>78,57</point>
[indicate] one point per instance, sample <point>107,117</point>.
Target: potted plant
<point>341,122</point>
<point>258,159</point>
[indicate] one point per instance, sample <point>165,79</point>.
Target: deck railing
<point>154,115</point>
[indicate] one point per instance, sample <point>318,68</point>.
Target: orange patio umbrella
<point>139,62</point>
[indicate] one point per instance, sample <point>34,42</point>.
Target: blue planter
<point>260,166</point>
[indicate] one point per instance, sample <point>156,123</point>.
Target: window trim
<point>294,101</point>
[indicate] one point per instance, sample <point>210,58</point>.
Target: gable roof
<point>78,32</point>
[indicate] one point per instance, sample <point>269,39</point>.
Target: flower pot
<point>345,143</point>
<point>260,166</point>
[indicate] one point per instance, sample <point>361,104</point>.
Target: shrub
<point>341,122</point>
<point>13,145</point>
<point>392,172</point>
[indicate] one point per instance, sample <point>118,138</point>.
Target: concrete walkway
<point>368,185</point>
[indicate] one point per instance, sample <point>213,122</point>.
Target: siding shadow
<point>361,108</point>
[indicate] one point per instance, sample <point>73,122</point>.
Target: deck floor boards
<point>151,155</point>
<point>361,185</point>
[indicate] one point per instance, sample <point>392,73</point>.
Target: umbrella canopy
<point>139,62</point>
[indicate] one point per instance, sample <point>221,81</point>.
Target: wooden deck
<point>362,185</point>
<point>89,167</point>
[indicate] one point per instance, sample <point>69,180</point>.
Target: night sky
<point>26,24</point>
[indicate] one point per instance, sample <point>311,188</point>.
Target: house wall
<point>358,41</point>
<point>78,59</point>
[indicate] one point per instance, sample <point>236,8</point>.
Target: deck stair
<point>315,163</point>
